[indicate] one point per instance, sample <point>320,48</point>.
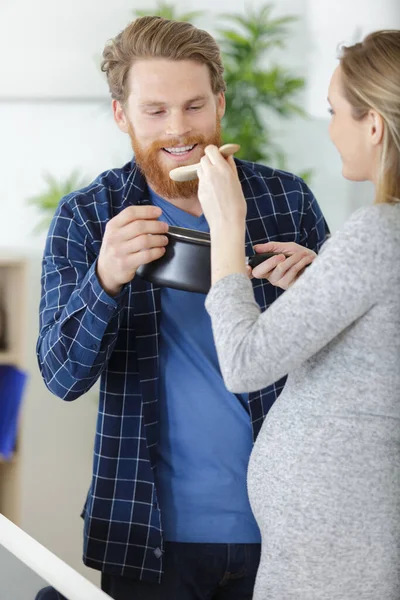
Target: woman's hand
<point>284,269</point>
<point>220,193</point>
<point>224,207</point>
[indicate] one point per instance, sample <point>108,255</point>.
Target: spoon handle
<point>189,172</point>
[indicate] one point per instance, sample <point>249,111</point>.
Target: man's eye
<point>197,107</point>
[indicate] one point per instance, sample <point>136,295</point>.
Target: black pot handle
<point>257,259</point>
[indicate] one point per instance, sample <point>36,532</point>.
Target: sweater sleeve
<point>342,284</point>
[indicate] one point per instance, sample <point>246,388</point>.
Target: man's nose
<point>178,124</point>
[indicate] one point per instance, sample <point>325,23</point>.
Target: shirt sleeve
<point>79,321</point>
<point>342,284</point>
<point>314,228</point>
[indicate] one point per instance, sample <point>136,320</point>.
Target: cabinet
<point>13,300</point>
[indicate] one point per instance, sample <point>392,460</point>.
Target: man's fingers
<point>147,256</point>
<point>136,228</point>
<point>135,213</point>
<point>144,242</point>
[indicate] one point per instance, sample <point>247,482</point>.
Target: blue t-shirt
<point>205,430</point>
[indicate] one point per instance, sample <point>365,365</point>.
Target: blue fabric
<point>49,593</point>
<point>86,335</point>
<point>12,385</point>
<point>201,467</point>
<point>201,571</point>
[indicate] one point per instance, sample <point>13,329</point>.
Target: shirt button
<point>110,308</point>
<point>157,553</point>
<point>94,346</point>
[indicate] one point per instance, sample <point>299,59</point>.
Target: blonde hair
<point>155,37</point>
<point>371,80</point>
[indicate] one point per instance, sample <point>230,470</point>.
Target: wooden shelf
<point>8,461</point>
<point>9,358</point>
<point>11,259</point>
<point>13,299</point>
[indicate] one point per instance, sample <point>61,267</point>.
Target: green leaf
<point>306,175</point>
<point>48,200</point>
<point>256,89</point>
<point>252,89</point>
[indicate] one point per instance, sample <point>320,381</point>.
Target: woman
<point>324,476</point>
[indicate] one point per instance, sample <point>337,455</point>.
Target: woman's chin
<point>348,174</point>
<point>353,175</point>
<point>356,171</point>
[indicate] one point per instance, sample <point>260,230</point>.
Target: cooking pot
<point>186,264</point>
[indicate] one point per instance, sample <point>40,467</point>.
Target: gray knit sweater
<point>324,475</point>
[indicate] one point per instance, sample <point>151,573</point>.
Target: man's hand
<point>134,237</point>
<point>279,270</point>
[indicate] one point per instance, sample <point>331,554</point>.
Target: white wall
<point>54,52</point>
<point>50,50</point>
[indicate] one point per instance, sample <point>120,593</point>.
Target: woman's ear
<point>376,127</point>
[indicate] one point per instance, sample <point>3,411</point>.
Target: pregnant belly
<point>326,477</point>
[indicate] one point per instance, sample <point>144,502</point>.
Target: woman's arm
<point>341,285</point>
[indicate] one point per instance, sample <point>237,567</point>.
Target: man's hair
<point>155,37</point>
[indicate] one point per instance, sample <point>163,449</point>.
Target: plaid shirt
<point>86,334</point>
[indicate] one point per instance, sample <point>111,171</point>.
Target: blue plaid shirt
<point>86,334</point>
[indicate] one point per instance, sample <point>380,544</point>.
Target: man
<point>167,514</point>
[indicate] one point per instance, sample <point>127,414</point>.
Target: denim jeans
<point>49,593</point>
<point>194,572</point>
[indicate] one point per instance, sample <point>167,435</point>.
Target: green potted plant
<point>47,200</point>
<point>254,86</point>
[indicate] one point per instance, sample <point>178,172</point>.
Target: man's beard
<point>157,174</point>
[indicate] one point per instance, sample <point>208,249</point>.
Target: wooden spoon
<point>189,172</point>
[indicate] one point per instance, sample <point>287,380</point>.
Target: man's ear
<point>119,116</point>
<point>221,104</point>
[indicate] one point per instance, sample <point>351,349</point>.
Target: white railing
<point>47,565</point>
